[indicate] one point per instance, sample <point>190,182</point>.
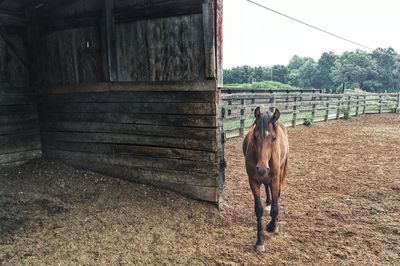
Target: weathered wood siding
<point>127,88</point>
<point>161,49</point>
<point>19,128</point>
<point>164,137</point>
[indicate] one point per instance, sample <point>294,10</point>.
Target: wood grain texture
<point>69,57</point>
<point>19,127</point>
<point>161,49</point>
<point>160,136</point>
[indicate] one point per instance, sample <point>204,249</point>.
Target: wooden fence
<point>238,107</point>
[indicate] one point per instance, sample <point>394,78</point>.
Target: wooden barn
<point>128,88</point>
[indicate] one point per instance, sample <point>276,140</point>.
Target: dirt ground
<point>341,205</point>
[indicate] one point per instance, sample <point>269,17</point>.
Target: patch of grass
<point>308,120</point>
<point>346,113</point>
<point>260,85</point>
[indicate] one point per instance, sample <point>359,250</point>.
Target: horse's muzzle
<point>261,171</point>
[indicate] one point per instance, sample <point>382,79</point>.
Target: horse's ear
<point>257,112</point>
<point>276,115</point>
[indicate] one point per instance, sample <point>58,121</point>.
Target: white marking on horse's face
<point>266,133</point>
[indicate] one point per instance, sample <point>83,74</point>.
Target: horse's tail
<point>284,173</point>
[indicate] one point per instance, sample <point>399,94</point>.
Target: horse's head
<point>264,138</point>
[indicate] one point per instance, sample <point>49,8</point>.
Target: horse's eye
<point>274,138</point>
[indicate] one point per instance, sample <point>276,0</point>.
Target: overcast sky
<point>257,37</point>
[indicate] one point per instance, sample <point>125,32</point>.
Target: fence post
<point>313,107</point>
<point>365,104</point>
<point>294,112</point>
<point>338,107</point>
<point>380,103</point>
<point>358,104</point>
<point>327,111</point>
<point>242,109</point>
<point>398,103</point>
<point>272,103</point>
<point>349,105</point>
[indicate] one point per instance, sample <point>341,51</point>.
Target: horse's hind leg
<point>275,191</point>
<point>268,196</point>
<point>255,188</point>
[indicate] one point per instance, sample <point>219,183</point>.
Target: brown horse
<point>266,149</point>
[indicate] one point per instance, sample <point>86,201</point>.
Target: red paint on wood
<point>218,30</point>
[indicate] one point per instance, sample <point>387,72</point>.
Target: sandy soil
<point>341,205</point>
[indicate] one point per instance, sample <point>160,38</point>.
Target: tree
<point>356,70</point>
<point>301,72</point>
<point>325,64</point>
<point>280,73</point>
<point>386,62</point>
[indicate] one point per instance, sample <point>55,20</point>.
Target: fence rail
<point>237,108</point>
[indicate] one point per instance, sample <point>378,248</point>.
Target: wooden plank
<point>218,37</point>
<point>182,85</point>
<point>209,39</point>
<point>19,156</point>
<point>16,99</point>
<point>160,50</point>
<point>16,118</point>
<point>18,109</point>
<point>196,186</point>
<point>143,119</point>
<point>157,10</point>
<point>132,150</point>
<point>19,127</point>
<point>161,152</point>
<point>144,108</point>
<point>149,130</point>
<point>132,97</point>
<point>19,142</point>
<point>161,164</point>
<point>134,172</point>
<point>110,40</point>
<point>166,141</point>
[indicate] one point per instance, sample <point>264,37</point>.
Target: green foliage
<point>260,85</point>
<point>346,113</point>
<point>378,71</point>
<point>308,120</point>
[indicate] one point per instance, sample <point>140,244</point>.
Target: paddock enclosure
<point>340,206</point>
<point>128,88</point>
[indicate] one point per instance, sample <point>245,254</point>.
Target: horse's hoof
<point>260,248</point>
<point>268,208</point>
<point>272,229</point>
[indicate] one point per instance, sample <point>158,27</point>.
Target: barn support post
<point>109,31</point>
<point>398,103</point>
<point>380,103</point>
<point>209,39</point>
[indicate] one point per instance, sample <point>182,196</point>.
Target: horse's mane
<point>265,120</point>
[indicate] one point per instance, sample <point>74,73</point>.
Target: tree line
<point>378,71</point>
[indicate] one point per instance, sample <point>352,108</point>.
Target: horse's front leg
<point>268,196</point>
<point>258,207</point>
<point>275,190</point>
